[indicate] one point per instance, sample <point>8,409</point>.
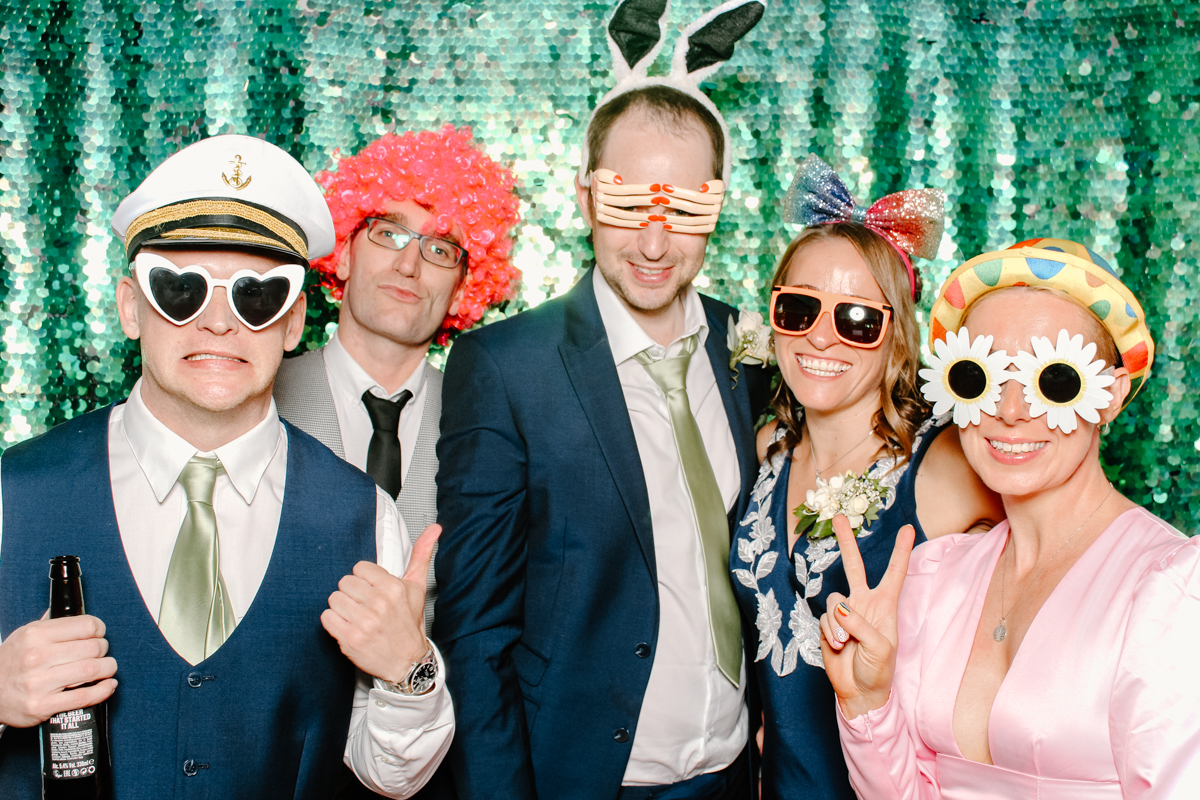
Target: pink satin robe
<point>1101,702</point>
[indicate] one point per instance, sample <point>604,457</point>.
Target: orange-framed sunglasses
<point>859,323</point>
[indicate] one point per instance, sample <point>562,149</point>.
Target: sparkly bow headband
<point>911,221</point>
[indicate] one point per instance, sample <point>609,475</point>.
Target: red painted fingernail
<point>654,187</point>
<point>843,609</point>
<point>660,201</point>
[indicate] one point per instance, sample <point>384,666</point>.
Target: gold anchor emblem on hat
<point>237,181</point>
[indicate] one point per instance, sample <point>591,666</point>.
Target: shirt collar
<point>346,374</point>
<point>625,336</point>
<point>162,454</point>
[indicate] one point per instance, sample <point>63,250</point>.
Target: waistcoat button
<point>642,650</point>
<point>621,735</point>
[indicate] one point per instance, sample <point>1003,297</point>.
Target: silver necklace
<point>870,433</point>
<point>1000,631</point>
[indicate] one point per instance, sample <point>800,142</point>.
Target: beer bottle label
<point>73,736</point>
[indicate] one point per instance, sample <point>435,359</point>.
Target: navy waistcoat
<point>267,715</point>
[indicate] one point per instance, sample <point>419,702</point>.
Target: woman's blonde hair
<point>902,408</point>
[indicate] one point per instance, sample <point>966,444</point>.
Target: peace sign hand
<point>860,666</point>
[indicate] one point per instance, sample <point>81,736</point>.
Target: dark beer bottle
<point>75,755</point>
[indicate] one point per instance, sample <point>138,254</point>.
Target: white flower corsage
<point>749,341</point>
<point>857,497</point>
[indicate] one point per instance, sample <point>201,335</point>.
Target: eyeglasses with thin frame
<point>394,236</point>
<point>180,294</point>
<point>857,322</point>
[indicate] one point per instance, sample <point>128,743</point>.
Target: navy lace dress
<point>785,596</point>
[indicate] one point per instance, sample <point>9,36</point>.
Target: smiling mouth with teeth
<point>1015,447</point>
<point>210,356</point>
<point>652,272</point>
<point>822,367</point>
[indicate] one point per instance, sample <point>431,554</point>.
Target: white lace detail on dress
<point>755,551</point>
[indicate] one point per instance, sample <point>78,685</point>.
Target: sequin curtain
<point>1074,119</point>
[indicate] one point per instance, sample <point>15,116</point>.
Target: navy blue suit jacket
<point>548,612</point>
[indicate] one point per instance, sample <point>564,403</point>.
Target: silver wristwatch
<point>420,679</point>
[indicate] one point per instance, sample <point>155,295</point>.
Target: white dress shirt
<point>395,741</point>
<point>693,720</point>
<point>348,381</point>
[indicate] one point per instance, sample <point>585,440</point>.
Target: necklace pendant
<point>1000,632</point>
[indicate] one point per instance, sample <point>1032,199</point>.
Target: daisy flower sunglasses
<point>1063,380</point>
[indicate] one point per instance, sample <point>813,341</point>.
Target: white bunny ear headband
<point>635,37</point>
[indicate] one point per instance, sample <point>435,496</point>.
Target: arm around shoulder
<point>951,498</point>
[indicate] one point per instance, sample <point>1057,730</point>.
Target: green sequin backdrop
<point>1075,119</point>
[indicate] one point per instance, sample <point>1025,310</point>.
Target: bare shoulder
<point>763,439</point>
<point>951,498</point>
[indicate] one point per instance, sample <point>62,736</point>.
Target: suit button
<point>621,735</point>
<point>642,650</point>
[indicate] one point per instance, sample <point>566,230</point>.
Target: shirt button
<point>642,650</point>
<point>381,704</point>
<point>621,735</point>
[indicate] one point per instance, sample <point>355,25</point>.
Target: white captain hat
<point>229,190</point>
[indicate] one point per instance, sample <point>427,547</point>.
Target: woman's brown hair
<point>902,408</point>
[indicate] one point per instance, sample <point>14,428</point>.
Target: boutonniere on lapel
<point>749,342</point>
<point>857,497</point>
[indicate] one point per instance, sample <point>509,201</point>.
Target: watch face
<point>423,677</point>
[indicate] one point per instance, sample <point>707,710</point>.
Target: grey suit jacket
<point>305,399</point>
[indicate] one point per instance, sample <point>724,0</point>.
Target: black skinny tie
<point>383,454</point>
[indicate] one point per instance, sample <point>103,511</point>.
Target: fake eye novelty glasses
<point>180,295</point>
<point>679,210</point>
<point>1060,380</point>
<point>857,322</point>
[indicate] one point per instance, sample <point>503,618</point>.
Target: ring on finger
<point>839,634</point>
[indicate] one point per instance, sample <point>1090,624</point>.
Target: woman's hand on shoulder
<point>859,633</point>
<point>762,439</point>
<point>950,497</point>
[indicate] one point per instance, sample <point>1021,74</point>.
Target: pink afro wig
<point>444,172</point>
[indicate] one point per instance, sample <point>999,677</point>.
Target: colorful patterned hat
<point>1069,267</point>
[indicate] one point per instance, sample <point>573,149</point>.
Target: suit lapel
<point>588,360</point>
<point>736,399</point>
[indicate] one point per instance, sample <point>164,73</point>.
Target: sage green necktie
<point>671,376</point>
<point>195,615</point>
